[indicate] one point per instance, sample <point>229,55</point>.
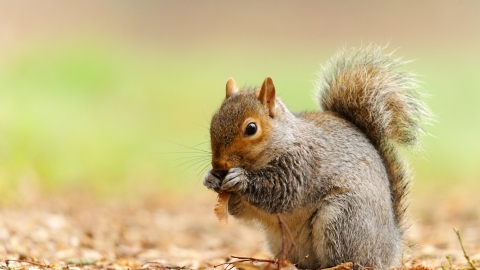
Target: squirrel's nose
<point>221,165</point>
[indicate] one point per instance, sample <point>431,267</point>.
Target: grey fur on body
<point>334,175</point>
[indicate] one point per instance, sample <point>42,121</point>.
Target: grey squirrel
<point>333,175</point>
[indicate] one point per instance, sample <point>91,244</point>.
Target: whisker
<point>202,171</point>
<point>190,154</point>
<point>204,142</point>
<point>202,154</point>
<point>192,158</point>
<point>192,162</point>
<point>200,159</point>
<point>200,125</point>
<point>201,143</point>
<point>200,166</point>
<point>189,147</point>
<point>205,116</point>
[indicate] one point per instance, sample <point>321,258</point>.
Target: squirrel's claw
<point>212,181</point>
<point>235,180</point>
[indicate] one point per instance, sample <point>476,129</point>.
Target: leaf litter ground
<point>77,232</point>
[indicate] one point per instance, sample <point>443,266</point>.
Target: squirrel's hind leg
<point>346,230</point>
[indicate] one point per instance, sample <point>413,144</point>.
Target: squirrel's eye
<point>251,129</point>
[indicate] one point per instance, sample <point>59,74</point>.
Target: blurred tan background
<point>115,97</point>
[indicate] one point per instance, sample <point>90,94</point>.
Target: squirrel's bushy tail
<point>366,87</point>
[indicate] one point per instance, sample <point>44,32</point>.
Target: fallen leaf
<point>221,208</point>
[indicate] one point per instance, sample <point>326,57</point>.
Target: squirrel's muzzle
<point>221,164</point>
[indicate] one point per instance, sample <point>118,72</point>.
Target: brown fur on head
<point>233,142</point>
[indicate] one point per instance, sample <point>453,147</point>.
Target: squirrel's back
<point>366,87</point>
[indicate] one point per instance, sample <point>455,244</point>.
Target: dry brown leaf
<point>249,266</point>
<point>263,266</point>
<point>221,208</point>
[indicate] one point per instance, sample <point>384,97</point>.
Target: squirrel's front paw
<point>213,179</point>
<point>235,180</point>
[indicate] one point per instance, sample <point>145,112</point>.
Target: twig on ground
<point>282,257</point>
<point>29,262</point>
<point>470,262</point>
<point>280,260</point>
<point>164,266</point>
<point>230,265</point>
<point>343,266</point>
<point>254,259</point>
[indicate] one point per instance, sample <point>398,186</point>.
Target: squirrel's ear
<point>267,95</point>
<point>231,87</point>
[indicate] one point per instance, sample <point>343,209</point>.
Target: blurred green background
<point>113,97</point>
